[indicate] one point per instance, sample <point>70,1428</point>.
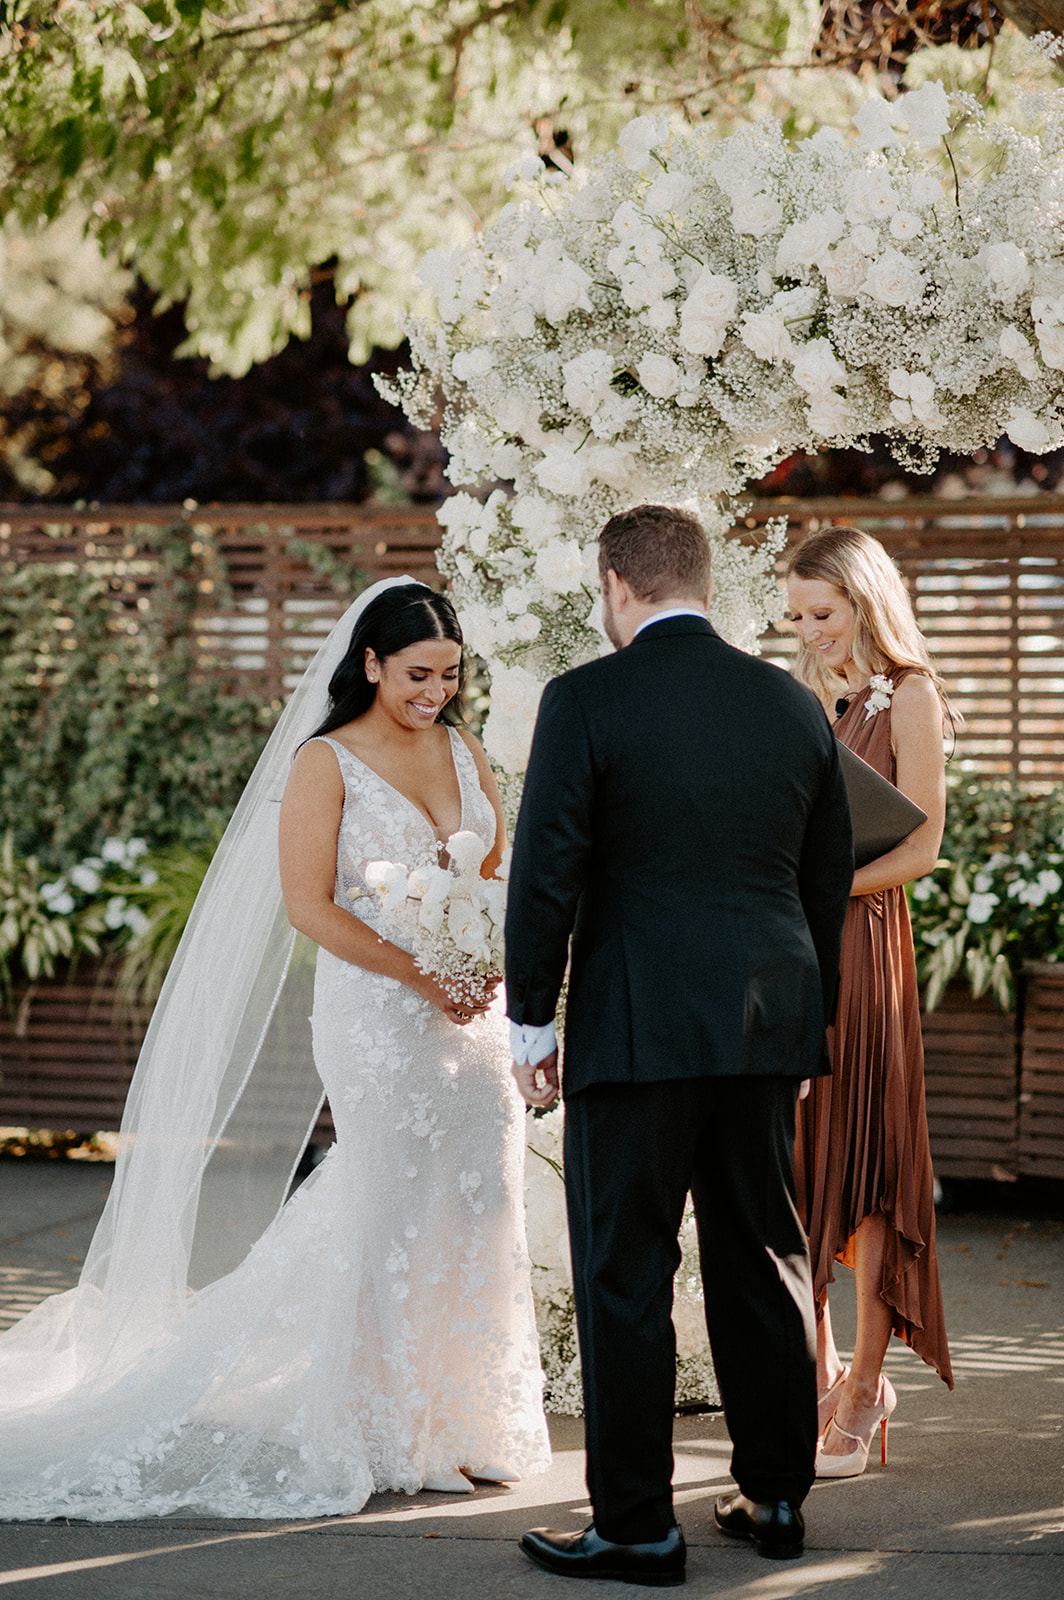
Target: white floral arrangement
<point>879,700</point>
<point>454,916</point>
<point>690,312</point>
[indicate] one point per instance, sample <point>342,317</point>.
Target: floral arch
<point>677,324</point>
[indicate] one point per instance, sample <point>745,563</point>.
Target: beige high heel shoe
<point>855,1461</point>
<point>827,1402</point>
<point>449,1483</point>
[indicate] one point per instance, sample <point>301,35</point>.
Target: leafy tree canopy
<point>228,150</point>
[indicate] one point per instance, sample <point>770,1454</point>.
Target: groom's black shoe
<point>774,1527</point>
<point>585,1555</point>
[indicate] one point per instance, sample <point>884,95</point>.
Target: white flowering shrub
<point>996,896</point>
<point>695,311</point>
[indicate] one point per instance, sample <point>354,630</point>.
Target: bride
<point>231,1354</point>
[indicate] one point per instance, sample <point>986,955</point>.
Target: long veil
<point>222,1103</point>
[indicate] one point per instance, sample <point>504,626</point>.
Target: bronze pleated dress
<point>862,1145</point>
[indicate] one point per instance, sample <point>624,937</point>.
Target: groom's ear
<point>615,589</point>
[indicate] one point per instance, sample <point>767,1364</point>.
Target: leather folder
<point>880,814</point>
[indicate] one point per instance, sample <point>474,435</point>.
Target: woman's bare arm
<point>491,789</point>
<point>916,730</point>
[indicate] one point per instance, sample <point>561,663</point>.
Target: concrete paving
<point>970,1506</point>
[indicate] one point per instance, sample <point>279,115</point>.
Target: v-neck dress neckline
<point>451,736</point>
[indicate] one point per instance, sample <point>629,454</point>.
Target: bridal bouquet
<point>453,917</point>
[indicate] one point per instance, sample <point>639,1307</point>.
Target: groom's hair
<point>662,553</point>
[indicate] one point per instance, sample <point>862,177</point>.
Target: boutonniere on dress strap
<point>882,689</point>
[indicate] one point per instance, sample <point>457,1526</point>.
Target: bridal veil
<point>222,1103</point>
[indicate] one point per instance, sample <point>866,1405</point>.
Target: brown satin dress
<point>862,1144</point>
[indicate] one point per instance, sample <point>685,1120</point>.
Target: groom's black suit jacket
<point>685,820</point>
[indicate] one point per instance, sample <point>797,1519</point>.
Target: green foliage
<point>996,896</point>
<point>33,935</point>
<point>167,903</point>
<point>230,149</point>
<point>111,724</point>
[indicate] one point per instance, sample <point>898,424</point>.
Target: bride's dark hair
<point>405,615</point>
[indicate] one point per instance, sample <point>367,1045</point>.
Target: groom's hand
<point>538,1085</point>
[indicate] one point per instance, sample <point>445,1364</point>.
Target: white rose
<point>924,190</point>
<point>1007,268</point>
<point>845,269</point>
<point>639,137</point>
<point>708,309</point>
<point>817,369</point>
<point>893,281</point>
<point>756,214</point>
<point>469,364</point>
<point>538,519</point>
<point>563,471</point>
<point>515,696</point>
<point>901,411</point>
<point>468,927</point>
<point>587,380</point>
<point>467,851</point>
<point>527,627</point>
<point>767,335</point>
<point>659,375</point>
<point>1051,343</point>
<point>875,124</point>
<point>1014,347</point>
<point>828,415</point>
<point>1029,432</point>
<point>865,239</point>
<point>563,288</point>
<point>926,112</point>
<point>560,566</point>
<point>898,382</point>
<point>670,191</point>
<point>906,225</point>
<point>803,243</point>
<point>660,316</point>
<point>870,196</point>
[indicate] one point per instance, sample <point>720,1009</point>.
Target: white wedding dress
<point>380,1331</point>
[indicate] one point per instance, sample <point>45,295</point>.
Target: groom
<point>685,822</point>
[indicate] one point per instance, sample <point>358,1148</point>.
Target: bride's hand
<point>457,1011</point>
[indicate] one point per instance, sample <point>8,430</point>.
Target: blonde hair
<point>886,633</point>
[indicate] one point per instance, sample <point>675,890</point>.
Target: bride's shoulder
<point>475,748</point>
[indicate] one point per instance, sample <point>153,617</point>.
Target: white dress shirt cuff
<point>532,1042</point>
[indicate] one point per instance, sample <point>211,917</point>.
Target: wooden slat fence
<point>266,610</point>
<point>986,575</point>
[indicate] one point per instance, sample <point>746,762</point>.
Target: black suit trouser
<point>632,1153</point>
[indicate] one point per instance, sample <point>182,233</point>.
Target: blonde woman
<point>862,1160</point>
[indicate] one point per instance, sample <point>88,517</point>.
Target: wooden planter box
<point>971,1067</point>
<point>66,1059</point>
<point>1041,1130</point>
<point>66,1056</point>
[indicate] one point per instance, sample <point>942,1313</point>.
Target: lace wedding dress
<point>381,1330</point>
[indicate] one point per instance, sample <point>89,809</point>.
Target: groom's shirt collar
<point>676,611</point>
